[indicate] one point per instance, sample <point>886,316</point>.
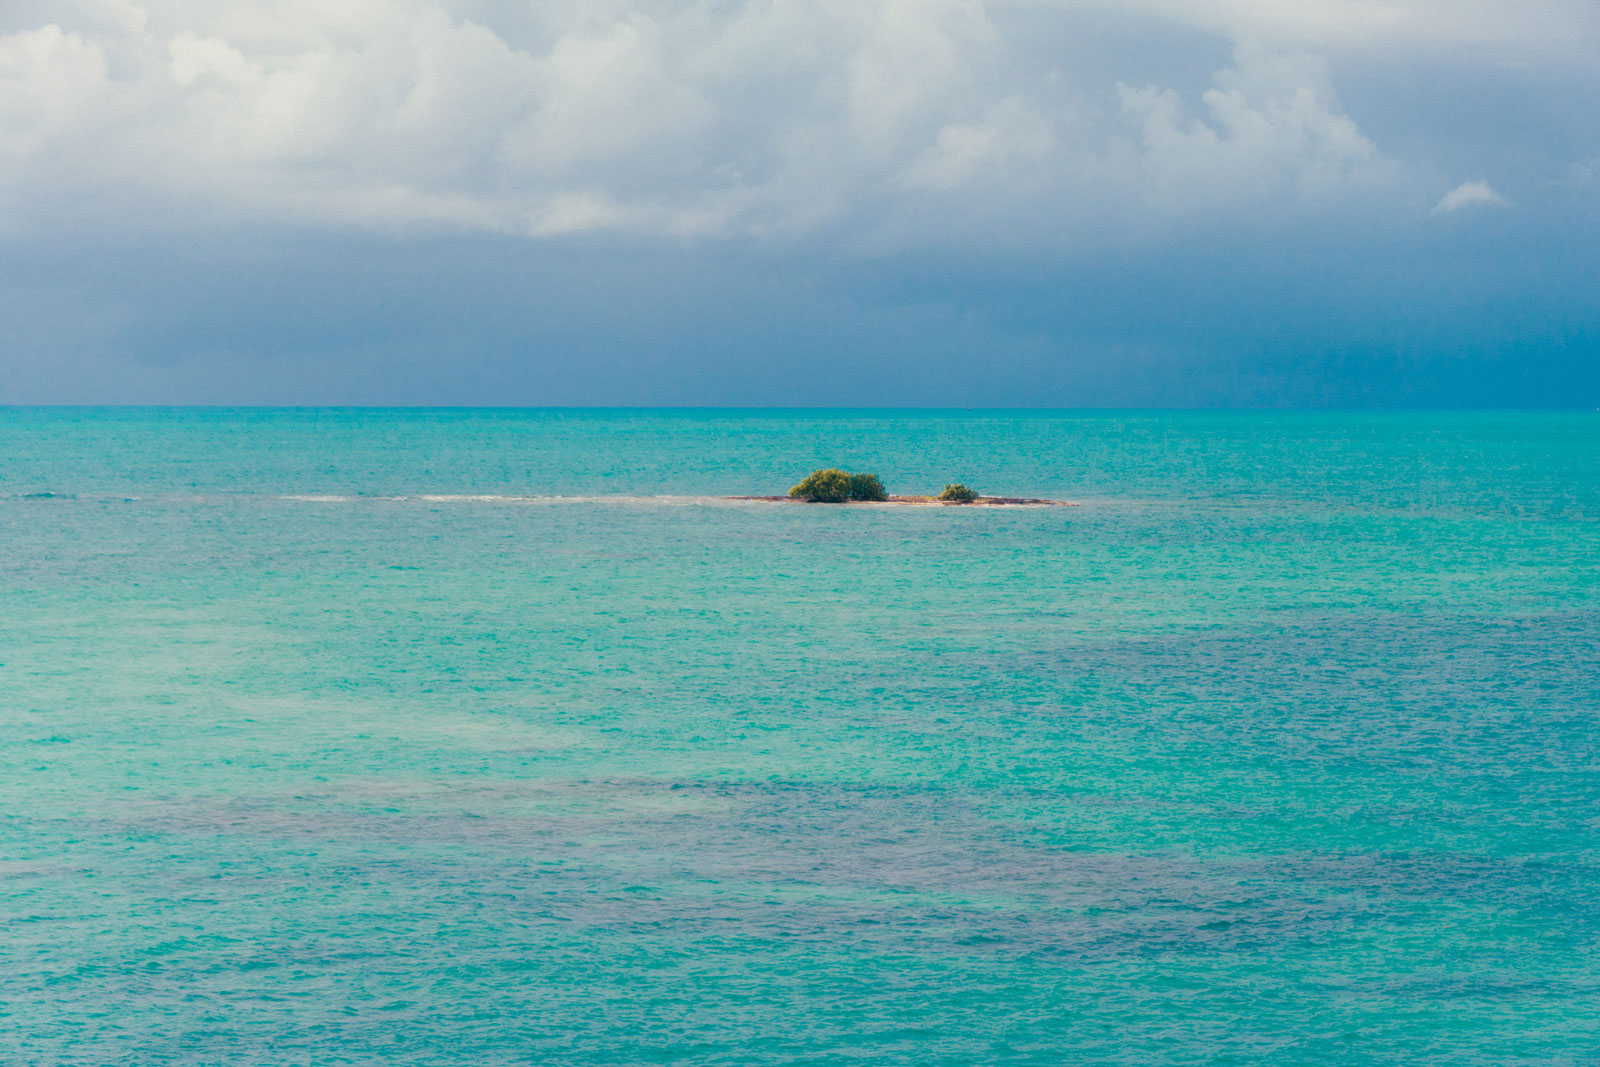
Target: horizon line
<point>795,408</point>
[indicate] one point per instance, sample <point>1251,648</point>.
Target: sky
<point>1012,203</point>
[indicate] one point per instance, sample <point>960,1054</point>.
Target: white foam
<point>472,498</point>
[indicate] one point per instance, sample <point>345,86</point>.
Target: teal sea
<point>453,737</point>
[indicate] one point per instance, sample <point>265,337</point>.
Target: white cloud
<point>50,84</point>
<point>1271,125</point>
<point>1468,195</point>
<point>1010,133</point>
<point>686,117</point>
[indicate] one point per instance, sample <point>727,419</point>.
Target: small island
<point>831,485</point>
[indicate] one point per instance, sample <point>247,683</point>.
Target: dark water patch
<point>1403,690</point>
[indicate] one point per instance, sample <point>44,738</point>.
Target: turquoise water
<point>480,738</point>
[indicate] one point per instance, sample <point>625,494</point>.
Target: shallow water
<point>489,737</point>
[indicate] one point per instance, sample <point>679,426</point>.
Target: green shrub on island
<point>867,487</point>
<point>830,486</point>
<point>834,486</point>
<point>958,494</point>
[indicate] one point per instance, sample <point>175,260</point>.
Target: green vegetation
<point>958,494</point>
<point>834,486</point>
<point>867,487</point>
<point>830,486</point>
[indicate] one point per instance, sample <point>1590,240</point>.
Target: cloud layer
<point>762,118</point>
<point>774,201</point>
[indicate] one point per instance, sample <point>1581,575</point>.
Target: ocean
<point>495,737</point>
